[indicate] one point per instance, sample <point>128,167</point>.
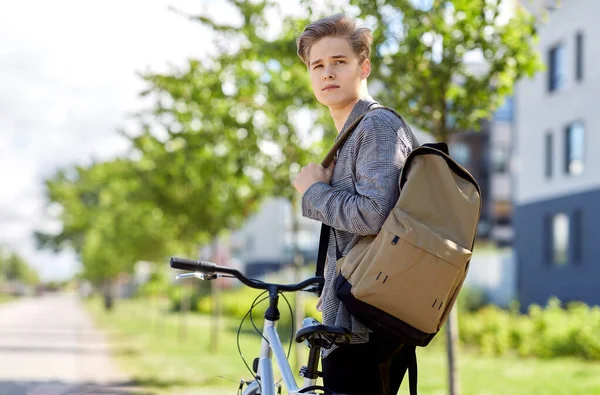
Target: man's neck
<point>341,114</point>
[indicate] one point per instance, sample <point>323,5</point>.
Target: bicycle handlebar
<point>192,265</point>
<point>209,267</point>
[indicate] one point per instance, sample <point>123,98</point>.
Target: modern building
<point>500,153</point>
<point>557,166</point>
<point>486,154</point>
<point>265,242</point>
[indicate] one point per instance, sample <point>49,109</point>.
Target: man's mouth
<point>330,87</point>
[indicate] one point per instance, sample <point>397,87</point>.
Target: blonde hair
<point>338,25</point>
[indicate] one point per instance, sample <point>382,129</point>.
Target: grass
<point>172,355</point>
<point>6,298</point>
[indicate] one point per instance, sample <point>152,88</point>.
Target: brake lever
<point>203,276</point>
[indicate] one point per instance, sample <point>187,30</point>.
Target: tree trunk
<point>154,300</point>
<point>108,295</point>
<point>452,344</point>
<point>215,290</point>
<point>216,315</point>
<point>298,264</point>
<point>185,307</point>
<point>452,323</point>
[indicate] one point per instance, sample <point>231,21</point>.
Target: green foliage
<point>236,303</point>
<point>548,332</point>
<point>194,294</point>
<point>55,286</point>
<point>232,132</point>
<point>472,299</point>
<point>420,57</point>
<point>157,285</point>
<point>13,267</point>
<point>105,219</point>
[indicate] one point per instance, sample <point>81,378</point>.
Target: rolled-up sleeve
<point>379,155</point>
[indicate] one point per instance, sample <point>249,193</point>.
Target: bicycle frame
<point>271,344</point>
<point>271,347</point>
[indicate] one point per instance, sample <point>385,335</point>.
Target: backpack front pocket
<point>410,272</point>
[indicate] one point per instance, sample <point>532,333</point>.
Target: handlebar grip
<point>192,265</point>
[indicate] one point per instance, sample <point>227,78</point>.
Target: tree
<point>106,221</point>
<point>13,267</point>
<point>248,104</point>
<point>421,47</point>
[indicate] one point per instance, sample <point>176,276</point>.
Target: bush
<point>196,293</point>
<point>544,332</point>
<point>236,303</point>
<point>472,299</point>
<point>549,332</point>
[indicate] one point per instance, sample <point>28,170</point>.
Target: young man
<point>354,195</point>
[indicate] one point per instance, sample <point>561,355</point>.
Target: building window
<point>461,153</point>
<point>560,239</point>
<point>506,111</point>
<point>579,57</point>
<point>547,239</point>
<point>574,147</point>
<point>556,68</point>
<point>549,157</point>
<point>577,241</point>
<point>249,243</point>
<point>500,156</point>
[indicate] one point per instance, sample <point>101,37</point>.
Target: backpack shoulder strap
<point>336,146</point>
<point>325,229</point>
<point>413,374</point>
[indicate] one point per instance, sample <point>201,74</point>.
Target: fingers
<point>312,173</point>
<point>329,169</point>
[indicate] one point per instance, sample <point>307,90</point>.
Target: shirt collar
<point>361,107</point>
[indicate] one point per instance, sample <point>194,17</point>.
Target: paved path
<point>49,346</point>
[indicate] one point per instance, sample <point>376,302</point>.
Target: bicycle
<point>314,334</point>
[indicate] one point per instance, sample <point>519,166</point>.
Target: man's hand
<point>311,174</point>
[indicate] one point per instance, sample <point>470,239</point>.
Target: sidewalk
<point>49,346</point>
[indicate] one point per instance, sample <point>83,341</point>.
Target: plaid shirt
<point>363,191</point>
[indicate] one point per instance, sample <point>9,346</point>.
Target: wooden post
<point>215,290</point>
<point>299,312</point>
<point>452,345</point>
<point>185,307</point>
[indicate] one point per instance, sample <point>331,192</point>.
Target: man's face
<point>335,72</point>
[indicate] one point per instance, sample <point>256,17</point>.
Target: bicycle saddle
<point>322,335</point>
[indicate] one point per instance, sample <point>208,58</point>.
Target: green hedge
<point>545,332</point>
<point>552,331</point>
<point>236,303</point>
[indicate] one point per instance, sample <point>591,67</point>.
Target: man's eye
<point>317,66</point>
<point>339,61</point>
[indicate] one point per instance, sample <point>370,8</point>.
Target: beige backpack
<point>405,280</point>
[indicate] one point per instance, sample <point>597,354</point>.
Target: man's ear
<point>365,69</point>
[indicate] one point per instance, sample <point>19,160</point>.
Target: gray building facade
<point>557,166</point>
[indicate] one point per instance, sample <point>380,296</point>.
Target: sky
<point>67,83</point>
